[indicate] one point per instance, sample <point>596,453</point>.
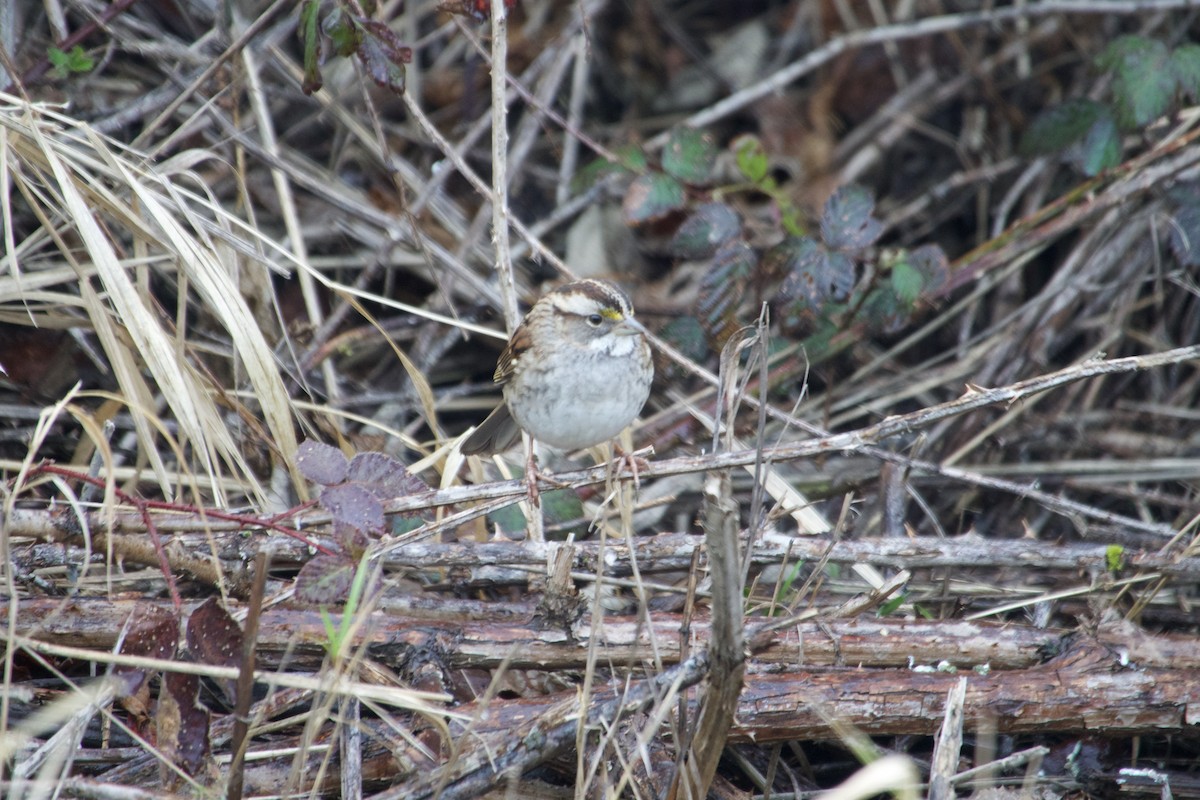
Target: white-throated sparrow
<point>576,371</point>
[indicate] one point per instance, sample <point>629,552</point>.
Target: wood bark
<point>530,644</point>
<point>882,677</point>
<point>494,563</point>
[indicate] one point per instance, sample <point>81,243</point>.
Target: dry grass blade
<point>338,685</point>
<point>894,774</point>
<point>70,168</point>
<point>64,716</point>
<point>131,315</point>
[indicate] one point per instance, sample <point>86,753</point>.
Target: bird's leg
<point>632,461</point>
<point>535,527</point>
<point>533,474</point>
<point>531,477</point>
<point>535,524</point>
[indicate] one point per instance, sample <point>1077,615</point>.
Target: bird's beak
<point>630,326</point>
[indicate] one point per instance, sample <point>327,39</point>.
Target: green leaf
<point>561,507</point>
<point>1114,557</point>
<point>788,585</point>
<point>751,157</point>
<point>1099,150</point>
<point>911,276</point>
<point>651,197</point>
<point>310,39</point>
<point>509,519</point>
<point>847,222</point>
<point>68,63</point>
<point>914,274</point>
<point>689,155</point>
<point>1185,66</point>
<point>706,229</point>
<point>888,608</point>
<point>58,58</point>
<point>906,282</point>
<point>1061,126</point>
<point>792,221</point>
<point>883,311</point>
<point>405,523</point>
<point>342,32</point>
<point>80,61</point>
<point>632,160</point>
<point>1143,81</point>
<point>1084,131</point>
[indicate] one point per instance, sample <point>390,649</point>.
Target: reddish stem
<point>143,505</point>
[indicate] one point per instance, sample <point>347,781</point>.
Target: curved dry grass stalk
<point>86,187</point>
<point>339,684</point>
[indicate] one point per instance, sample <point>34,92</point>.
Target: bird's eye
<point>595,320</point>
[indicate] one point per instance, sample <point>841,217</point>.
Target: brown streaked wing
<point>516,347</point>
